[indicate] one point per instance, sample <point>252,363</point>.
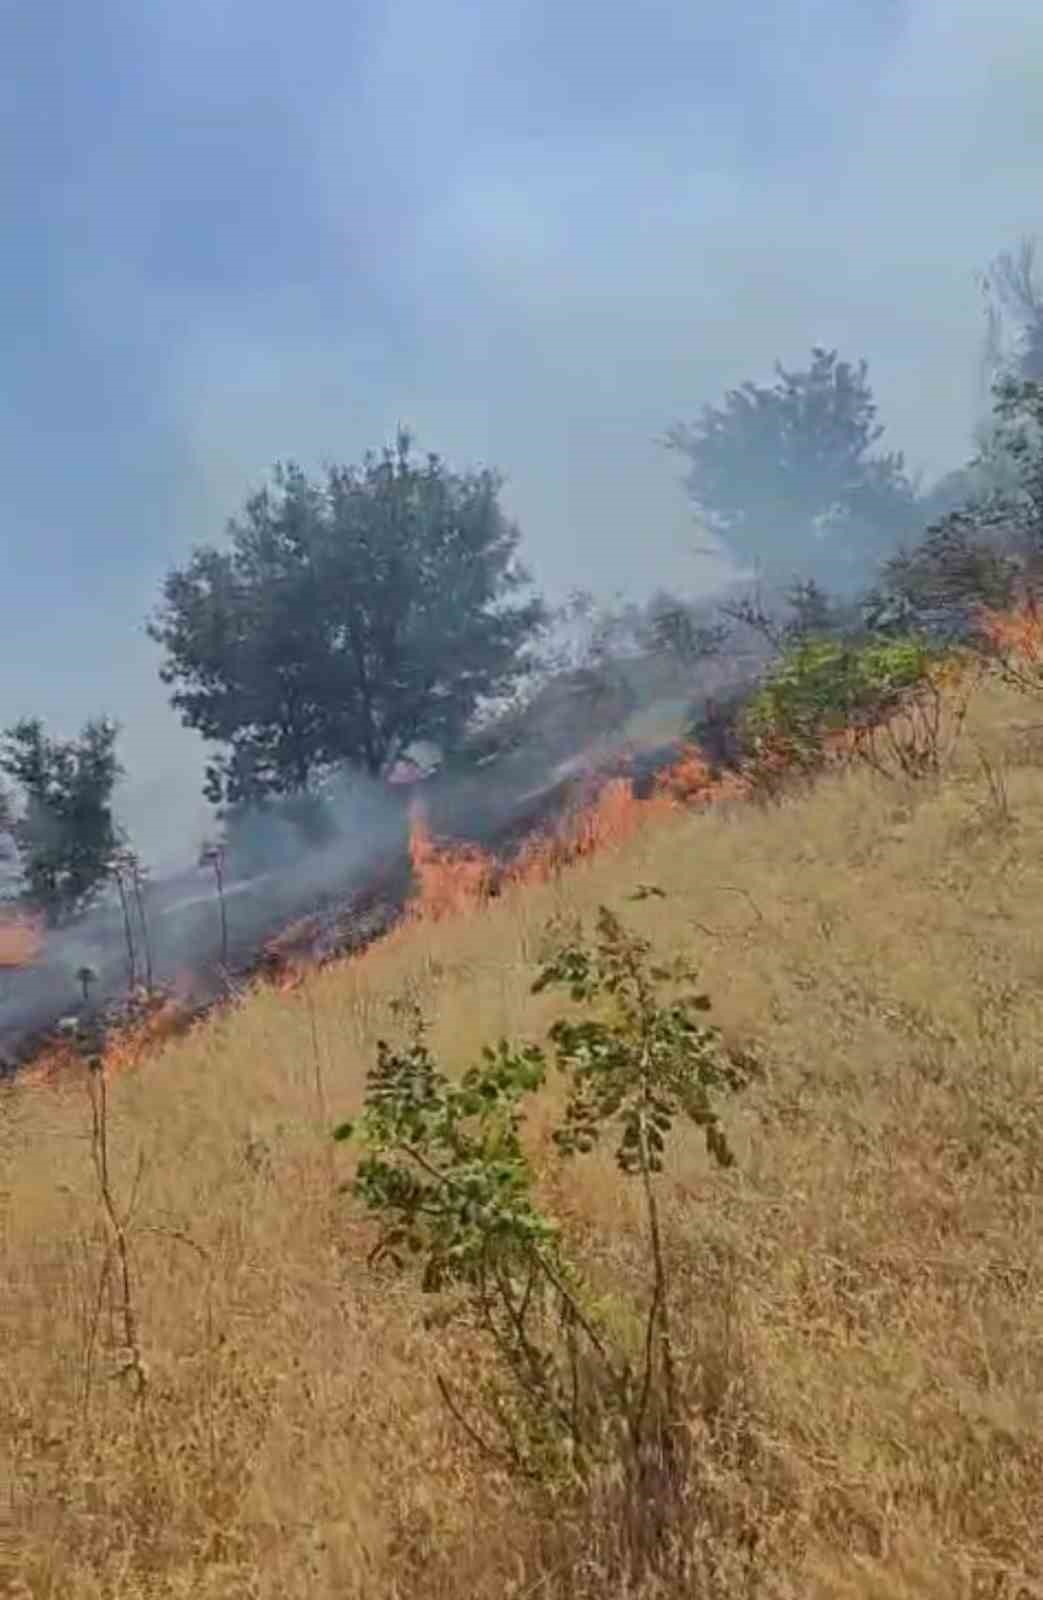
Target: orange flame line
<point>21,941</point>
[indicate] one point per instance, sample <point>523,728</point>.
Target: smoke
<point>351,841</point>
<point>182,912</point>
<point>538,254</point>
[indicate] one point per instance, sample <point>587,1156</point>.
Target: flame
<point>449,879</point>
<point>1016,633</point>
<point>51,1067</point>
<point>21,940</point>
<point>183,984</point>
<point>285,954</point>
<point>129,1045</point>
<point>58,1060</point>
<point>691,781</point>
<point>607,820</point>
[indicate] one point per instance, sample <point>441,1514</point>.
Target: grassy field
<point>860,1299</point>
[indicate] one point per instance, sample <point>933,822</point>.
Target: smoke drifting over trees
<point>787,477</point>
<point>347,619</point>
<point>1013,289</point>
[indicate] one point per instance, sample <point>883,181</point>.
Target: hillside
<point>860,1298</point>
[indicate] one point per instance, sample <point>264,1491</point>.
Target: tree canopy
<point>989,547</point>
<point>346,620</point>
<point>65,835</point>
<point>786,477</point>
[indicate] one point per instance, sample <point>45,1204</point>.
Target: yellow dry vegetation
<point>860,1300</point>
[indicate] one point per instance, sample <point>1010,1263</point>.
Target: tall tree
<point>65,836</point>
<point>786,477</point>
<point>346,620</point>
<point>1013,287</point>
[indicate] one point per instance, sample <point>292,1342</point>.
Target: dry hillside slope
<point>860,1297</point>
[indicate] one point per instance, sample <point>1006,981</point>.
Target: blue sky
<point>537,231</point>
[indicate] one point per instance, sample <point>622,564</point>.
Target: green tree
<point>786,478</point>
<point>346,620</point>
<point>985,550</point>
<point>65,835</point>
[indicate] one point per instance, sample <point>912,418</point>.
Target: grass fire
<point>208,1374</point>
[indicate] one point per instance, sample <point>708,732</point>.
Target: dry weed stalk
<point>131,1362</point>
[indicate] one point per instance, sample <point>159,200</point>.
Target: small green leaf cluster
<point>443,1161</point>
<point>825,685</point>
<point>643,1065</point>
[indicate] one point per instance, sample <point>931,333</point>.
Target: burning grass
<point>127,1044</point>
<point>452,879</point>
<point>449,879</point>
<point>21,941</point>
<point>1016,638</point>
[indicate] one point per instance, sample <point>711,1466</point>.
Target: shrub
<point>443,1167</point>
<point>882,701</point>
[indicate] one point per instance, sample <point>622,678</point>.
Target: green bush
<point>442,1165</point>
<point>822,686</point>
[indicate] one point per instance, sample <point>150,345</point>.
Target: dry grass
<point>861,1298</point>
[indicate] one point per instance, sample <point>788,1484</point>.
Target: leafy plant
<point>637,1070</point>
<point>444,1167</point>
<point>883,701</point>
<point>464,1187</point>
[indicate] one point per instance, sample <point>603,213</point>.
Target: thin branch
<point>473,1434</point>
